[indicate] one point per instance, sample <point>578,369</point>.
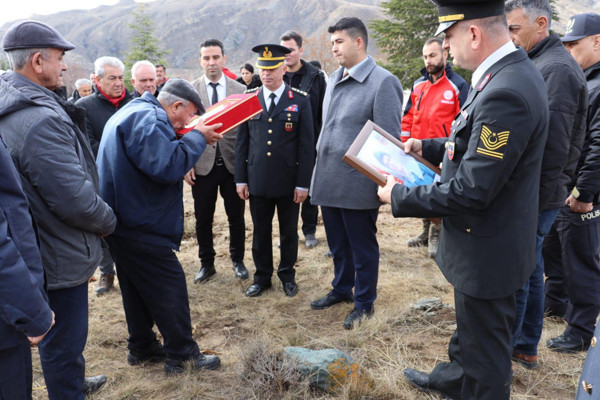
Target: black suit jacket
<point>488,194</point>
<point>275,154</point>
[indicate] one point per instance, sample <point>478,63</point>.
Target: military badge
<point>290,94</point>
<point>288,126</point>
<point>293,108</point>
<point>492,141</point>
<point>450,149</point>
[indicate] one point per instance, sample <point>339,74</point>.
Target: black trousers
<point>572,265</point>
<point>309,214</point>
<point>205,190</point>
<point>15,372</point>
<point>263,210</point>
<point>153,288</point>
<point>480,350</point>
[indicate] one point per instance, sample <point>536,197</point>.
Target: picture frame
<point>375,153</point>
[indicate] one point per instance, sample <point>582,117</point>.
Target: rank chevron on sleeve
<point>492,144</point>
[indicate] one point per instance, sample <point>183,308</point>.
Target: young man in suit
<point>273,164</point>
<point>214,170</point>
<point>357,92</point>
<point>492,162</point>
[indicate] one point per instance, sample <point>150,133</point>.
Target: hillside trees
<point>143,44</point>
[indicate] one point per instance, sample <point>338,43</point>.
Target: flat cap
<point>452,11</point>
<point>582,25</point>
<point>270,56</point>
<point>31,34</point>
<point>183,89</point>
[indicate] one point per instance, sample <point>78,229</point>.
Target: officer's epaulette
<point>300,91</point>
<point>252,90</point>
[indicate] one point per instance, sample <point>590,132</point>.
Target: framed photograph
<point>376,154</point>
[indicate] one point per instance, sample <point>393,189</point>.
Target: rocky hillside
<point>241,24</point>
<point>181,26</point>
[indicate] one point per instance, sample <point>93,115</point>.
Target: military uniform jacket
<point>488,193</point>
<point>226,145</point>
<point>275,154</point>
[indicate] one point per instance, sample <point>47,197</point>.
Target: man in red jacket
<point>434,101</point>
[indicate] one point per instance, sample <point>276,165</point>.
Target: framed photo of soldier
<point>376,154</point>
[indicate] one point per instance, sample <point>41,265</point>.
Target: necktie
<point>272,105</point>
<point>215,97</point>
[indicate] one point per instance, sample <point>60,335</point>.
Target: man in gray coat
<point>214,170</point>
<point>357,92</point>
<point>45,135</point>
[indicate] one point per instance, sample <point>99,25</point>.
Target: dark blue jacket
<point>141,165</point>
<point>24,309</point>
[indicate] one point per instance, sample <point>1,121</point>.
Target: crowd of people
<point>96,181</point>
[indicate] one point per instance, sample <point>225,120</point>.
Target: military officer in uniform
<point>487,196</point>
<point>273,166</point>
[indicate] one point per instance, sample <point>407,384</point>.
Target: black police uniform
<point>274,155</point>
<point>488,198</point>
<point>572,249</point>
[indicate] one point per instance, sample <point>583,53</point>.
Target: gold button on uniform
<point>269,154</point>
<point>270,119</point>
<point>269,142</point>
<point>270,131</point>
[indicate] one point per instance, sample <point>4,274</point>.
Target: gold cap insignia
<point>267,53</point>
<point>492,141</point>
<point>449,18</point>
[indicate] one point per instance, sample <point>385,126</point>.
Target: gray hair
<point>168,99</point>
<point>138,64</point>
<point>80,82</point>
<point>102,62</point>
<point>19,57</point>
<point>531,8</point>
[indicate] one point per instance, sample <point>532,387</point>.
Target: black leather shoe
<point>329,300</point>
<point>93,384</point>
<point>356,316</point>
<point>290,289</point>
<point>567,344</point>
<point>240,270</point>
<point>151,354</point>
<point>256,290</point>
<point>421,381</point>
<point>205,272</point>
<point>201,361</point>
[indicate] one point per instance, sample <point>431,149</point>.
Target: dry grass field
<point>249,334</point>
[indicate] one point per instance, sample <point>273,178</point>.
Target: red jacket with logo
<point>432,106</point>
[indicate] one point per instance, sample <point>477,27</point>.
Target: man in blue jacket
<point>25,316</point>
<point>141,165</point>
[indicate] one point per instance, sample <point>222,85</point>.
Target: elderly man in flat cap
<point>142,165</point>
<point>487,196</point>
<point>45,135</point>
